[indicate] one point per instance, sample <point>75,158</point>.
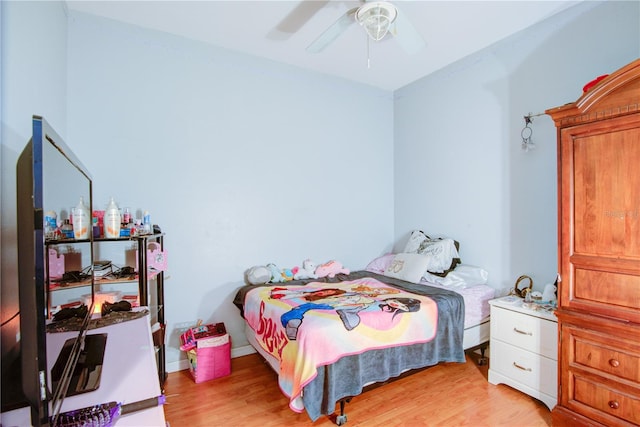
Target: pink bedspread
<point>305,327</point>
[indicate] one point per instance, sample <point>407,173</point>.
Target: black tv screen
<point>49,177</point>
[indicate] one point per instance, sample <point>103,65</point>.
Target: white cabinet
<point>128,374</point>
<point>524,349</point>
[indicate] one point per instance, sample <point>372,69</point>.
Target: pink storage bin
<point>208,349</point>
<point>208,363</point>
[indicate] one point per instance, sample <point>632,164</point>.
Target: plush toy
<point>330,269</point>
<point>307,271</point>
<point>276,273</point>
<point>287,275</point>
<point>258,275</point>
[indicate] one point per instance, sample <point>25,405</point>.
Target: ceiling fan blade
<point>406,34</point>
<point>298,17</point>
<point>332,33</point>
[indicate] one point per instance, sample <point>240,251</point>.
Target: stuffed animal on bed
<point>276,273</point>
<point>287,275</point>
<point>307,271</point>
<point>330,269</point>
<point>258,275</point>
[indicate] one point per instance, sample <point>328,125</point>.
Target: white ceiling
<point>281,31</point>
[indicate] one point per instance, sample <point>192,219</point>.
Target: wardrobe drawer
<point>525,331</point>
<point>531,369</point>
<point>604,353</point>
<point>604,399</point>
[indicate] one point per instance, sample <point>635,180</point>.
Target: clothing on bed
<point>347,376</point>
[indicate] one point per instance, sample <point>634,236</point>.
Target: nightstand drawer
<point>525,331</point>
<point>530,369</point>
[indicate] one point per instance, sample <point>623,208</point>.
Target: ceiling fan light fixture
<point>376,18</point>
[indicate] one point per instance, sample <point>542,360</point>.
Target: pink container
<point>211,360</point>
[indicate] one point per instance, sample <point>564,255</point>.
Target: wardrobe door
<point>600,218</point>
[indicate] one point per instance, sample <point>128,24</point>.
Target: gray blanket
<point>348,376</point>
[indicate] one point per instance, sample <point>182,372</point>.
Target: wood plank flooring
<point>451,394</point>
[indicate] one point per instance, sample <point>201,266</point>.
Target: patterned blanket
<point>306,327</point>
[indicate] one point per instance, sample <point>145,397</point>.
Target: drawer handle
<point>614,363</point>
<point>523,368</point>
<point>613,404</point>
<point>516,330</point>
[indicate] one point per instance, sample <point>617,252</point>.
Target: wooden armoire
<point>599,254</point>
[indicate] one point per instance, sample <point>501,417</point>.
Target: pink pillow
<point>379,265</point>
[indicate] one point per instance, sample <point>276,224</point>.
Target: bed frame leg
<point>342,418</point>
<point>483,359</point>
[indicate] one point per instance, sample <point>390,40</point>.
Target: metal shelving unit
<point>150,286</point>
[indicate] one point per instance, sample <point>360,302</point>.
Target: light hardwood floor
<point>451,394</point>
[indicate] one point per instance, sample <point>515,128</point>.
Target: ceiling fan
<point>378,18</point>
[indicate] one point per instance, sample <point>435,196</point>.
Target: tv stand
<point>129,373</point>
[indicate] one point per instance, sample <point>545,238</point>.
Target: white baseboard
<point>242,351</point>
<point>183,364</point>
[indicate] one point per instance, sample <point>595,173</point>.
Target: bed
<point>462,324</point>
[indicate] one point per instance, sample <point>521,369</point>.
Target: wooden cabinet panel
<point>606,289</point>
<point>599,371</point>
<point>601,397</point>
<point>606,213</point>
<point>610,354</point>
<point>603,358</point>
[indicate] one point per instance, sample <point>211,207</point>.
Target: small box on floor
<point>208,349</point>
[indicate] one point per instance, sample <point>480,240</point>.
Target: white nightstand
<point>524,349</point>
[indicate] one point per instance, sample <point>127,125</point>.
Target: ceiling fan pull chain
<point>368,55</point>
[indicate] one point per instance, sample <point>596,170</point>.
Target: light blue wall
<point>34,81</point>
<point>459,169</point>
<point>241,161</point>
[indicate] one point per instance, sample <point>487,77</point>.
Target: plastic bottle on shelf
<point>67,229</point>
<point>146,223</point>
<point>50,224</point>
<point>126,216</point>
<point>96,227</point>
<point>81,221</point>
<point>112,220</point>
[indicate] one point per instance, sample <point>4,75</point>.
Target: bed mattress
<point>476,301</point>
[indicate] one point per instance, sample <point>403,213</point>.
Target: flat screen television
<point>49,178</point>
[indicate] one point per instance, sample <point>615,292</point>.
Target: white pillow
<point>415,240</point>
<point>442,251</point>
<point>409,267</point>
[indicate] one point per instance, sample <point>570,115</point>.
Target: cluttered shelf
<point>69,240</point>
<point>78,279</point>
<point>65,269</point>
